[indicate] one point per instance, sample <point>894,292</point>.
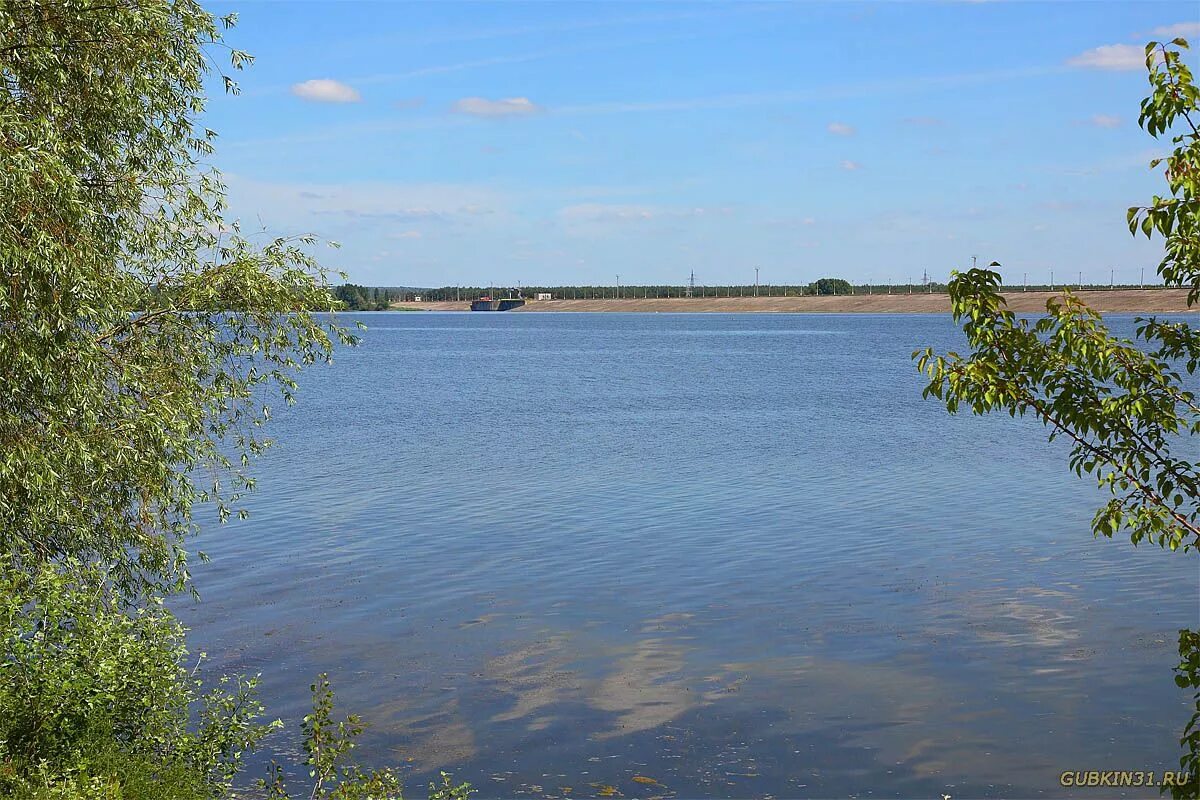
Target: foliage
<point>364,298</point>
<point>1174,99</point>
<point>95,699</point>
<point>831,286</point>
<point>1123,408</point>
<point>334,776</point>
<point>141,330</point>
<point>1124,405</point>
<point>448,790</point>
<point>1188,677</point>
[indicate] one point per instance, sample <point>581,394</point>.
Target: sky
<point>446,143</point>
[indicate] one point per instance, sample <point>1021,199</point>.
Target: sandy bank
<point>1118,301</point>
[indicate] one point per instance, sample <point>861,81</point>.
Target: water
<point>735,554</point>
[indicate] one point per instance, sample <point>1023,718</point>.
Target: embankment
<point>1145,301</point>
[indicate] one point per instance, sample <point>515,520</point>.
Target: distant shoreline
<point>1146,301</point>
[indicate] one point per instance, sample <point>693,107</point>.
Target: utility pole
<point>1112,278</point>
<point>618,287</point>
<point>756,281</point>
<point>1052,280</point>
<point>1081,279</point>
<point>1142,282</point>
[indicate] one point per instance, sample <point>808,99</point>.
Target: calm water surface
<point>737,554</point>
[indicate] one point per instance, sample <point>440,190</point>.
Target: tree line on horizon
<point>372,298</point>
<point>823,286</point>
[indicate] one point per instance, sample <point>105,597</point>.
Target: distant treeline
<point>824,286</point>
<point>367,298</point>
<point>364,298</point>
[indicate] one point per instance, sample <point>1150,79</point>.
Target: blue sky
<point>547,143</point>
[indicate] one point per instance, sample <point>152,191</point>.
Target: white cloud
<point>326,90</point>
<point>851,166</point>
<point>1176,30</point>
<point>389,207</point>
<point>406,235</point>
<point>840,129</point>
<point>1102,121</point>
<point>1111,57</point>
<point>506,107</point>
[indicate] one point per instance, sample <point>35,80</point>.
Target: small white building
<point>417,298</point>
<point>543,296</point>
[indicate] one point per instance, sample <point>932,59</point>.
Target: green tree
<point>95,700</point>
<point>141,330</point>
<point>825,286</point>
<point>361,298</point>
<point>1123,404</point>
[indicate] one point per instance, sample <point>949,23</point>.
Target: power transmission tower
<point>691,287</point>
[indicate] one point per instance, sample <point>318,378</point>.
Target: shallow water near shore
<point>690,555</point>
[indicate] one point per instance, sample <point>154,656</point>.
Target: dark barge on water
<point>504,304</point>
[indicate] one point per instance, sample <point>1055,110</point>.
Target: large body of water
<point>736,554</point>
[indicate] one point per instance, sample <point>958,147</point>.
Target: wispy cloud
<point>326,90</point>
<point>1176,30</point>
<point>834,92</point>
<point>851,166</point>
<point>545,30</point>
<point>1120,163</point>
<point>505,107</point>
<point>612,212</point>
<point>392,215</point>
<point>840,129</point>
<point>1116,57</point>
<point>408,206</point>
<point>924,122</point>
<point>1101,121</point>
<point>459,66</point>
<point>515,58</point>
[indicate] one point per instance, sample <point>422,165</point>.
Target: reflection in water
<point>535,677</point>
<point>908,717</point>
<point>648,688</point>
<point>436,739</point>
